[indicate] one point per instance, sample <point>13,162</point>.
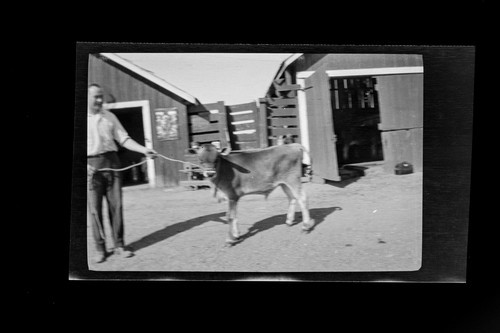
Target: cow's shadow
<point>318,214</point>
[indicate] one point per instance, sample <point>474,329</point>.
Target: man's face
<point>95,99</point>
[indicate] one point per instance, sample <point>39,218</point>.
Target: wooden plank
<point>282,101</point>
<point>247,145</point>
<point>205,107</point>
<point>320,122</point>
<point>288,87</point>
<point>283,112</point>
<point>207,127</point>
<point>245,137</point>
<point>252,106</point>
<point>207,137</point>
<point>283,131</point>
<point>262,124</point>
<point>225,139</point>
<point>241,117</point>
<point>241,127</point>
<point>284,121</point>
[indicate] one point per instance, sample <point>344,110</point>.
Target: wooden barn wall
<point>126,86</point>
<point>401,101</point>
<point>311,62</point>
<point>403,146</point>
<point>401,98</point>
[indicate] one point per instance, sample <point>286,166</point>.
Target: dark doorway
<point>131,119</point>
<point>356,117</point>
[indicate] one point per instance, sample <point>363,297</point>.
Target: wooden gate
<point>207,123</point>
<point>244,126</point>
<point>281,115</point>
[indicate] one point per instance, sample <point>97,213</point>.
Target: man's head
<point>95,98</point>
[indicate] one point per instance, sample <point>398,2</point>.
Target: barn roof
<point>287,62</point>
<point>149,76</point>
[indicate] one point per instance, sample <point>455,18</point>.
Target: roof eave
<point>150,77</point>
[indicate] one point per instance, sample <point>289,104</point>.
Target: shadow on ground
<point>318,214</point>
<point>348,175</point>
<point>174,229</point>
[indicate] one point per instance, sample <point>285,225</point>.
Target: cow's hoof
<point>232,241</point>
<point>308,226</point>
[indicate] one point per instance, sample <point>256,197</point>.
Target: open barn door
<point>322,138</point>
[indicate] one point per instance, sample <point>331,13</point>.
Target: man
<point>103,129</point>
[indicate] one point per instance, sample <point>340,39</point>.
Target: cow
<point>256,171</point>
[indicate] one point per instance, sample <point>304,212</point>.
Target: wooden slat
<point>282,101</point>
<point>242,107</point>
<point>241,117</point>
<point>284,121</point>
<point>247,145</point>
<point>245,137</point>
<point>206,137</point>
<point>207,115</point>
<point>283,131</point>
<point>283,112</point>
<point>241,127</point>
<point>262,123</point>
<point>205,107</point>
<point>288,87</point>
<point>201,128</point>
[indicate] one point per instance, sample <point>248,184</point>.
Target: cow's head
<point>208,155</point>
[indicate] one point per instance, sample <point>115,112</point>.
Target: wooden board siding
<point>403,146</point>
<point>400,101</point>
<point>121,85</point>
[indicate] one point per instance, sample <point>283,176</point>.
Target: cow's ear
<point>192,151</point>
<point>225,151</point>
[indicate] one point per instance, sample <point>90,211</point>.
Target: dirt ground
<point>369,223</point>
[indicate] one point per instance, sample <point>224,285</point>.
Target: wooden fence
<point>245,128</point>
<point>281,115</point>
<point>208,123</point>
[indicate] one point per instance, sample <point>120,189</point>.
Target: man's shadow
<point>318,214</point>
<point>174,229</point>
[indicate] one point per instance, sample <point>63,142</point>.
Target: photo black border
<point>448,113</point>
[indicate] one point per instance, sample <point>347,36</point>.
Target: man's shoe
<point>121,252</point>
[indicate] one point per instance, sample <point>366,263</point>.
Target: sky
<point>234,78</point>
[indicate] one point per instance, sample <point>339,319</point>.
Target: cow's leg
<point>307,222</point>
<point>290,216</point>
<point>234,234</point>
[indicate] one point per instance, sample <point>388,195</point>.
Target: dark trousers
<point>105,184</point>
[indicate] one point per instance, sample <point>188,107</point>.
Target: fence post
<point>262,123</point>
<point>223,127</point>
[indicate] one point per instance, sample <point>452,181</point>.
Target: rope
<point>136,164</point>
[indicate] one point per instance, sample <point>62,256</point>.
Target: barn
<point>157,115</point>
<point>353,108</point>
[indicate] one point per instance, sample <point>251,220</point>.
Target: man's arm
<point>130,144</point>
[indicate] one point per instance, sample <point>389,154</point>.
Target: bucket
<point>403,168</point>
